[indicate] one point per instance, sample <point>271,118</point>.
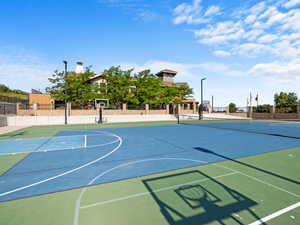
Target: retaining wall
<point>287,116</point>
<point>52,120</point>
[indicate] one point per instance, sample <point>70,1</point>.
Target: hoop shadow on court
<point>247,165</point>
<point>202,200</point>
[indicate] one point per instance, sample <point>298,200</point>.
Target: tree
<point>148,89</point>
<point>119,85</point>
<point>4,88</point>
<point>73,88</point>
<point>184,92</point>
<point>286,102</point>
<point>141,88</point>
<point>175,94</point>
<point>262,108</point>
<point>232,108</point>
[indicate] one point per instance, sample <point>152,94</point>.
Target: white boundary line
<point>78,207</point>
<point>78,201</point>
<point>155,191</point>
<point>276,214</point>
<point>69,171</point>
<point>62,149</point>
<point>49,137</point>
<point>261,181</point>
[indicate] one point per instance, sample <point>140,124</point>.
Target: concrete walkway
<point>7,129</point>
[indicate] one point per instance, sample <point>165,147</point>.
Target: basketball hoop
<point>100,105</point>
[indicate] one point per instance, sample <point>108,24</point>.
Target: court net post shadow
<point>247,165</point>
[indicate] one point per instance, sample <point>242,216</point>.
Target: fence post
<point>17,108</point>
<point>69,107</point>
<point>178,109</point>
<point>209,109</point>
<point>52,105</point>
<point>194,108</point>
<point>35,108</point>
<point>250,112</point>
<point>146,109</point>
<point>124,107</point>
<point>168,109</point>
<point>273,112</point>
<point>227,110</point>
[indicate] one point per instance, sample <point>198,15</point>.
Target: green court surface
<point>238,191</point>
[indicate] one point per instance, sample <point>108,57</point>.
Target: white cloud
<point>286,50</point>
<point>292,21</point>
<point>250,19</point>
<point>221,53</point>
<point>280,72</point>
<point>266,32</point>
<point>220,33</point>
<point>188,13</point>
<point>253,49</point>
<point>253,34</point>
<point>267,38</point>
<point>264,28</point>
<point>185,71</point>
<point>291,3</point>
<point>155,66</point>
<point>147,16</point>
<point>22,70</point>
<point>212,10</point>
<point>258,8</point>
<point>193,13</point>
<point>141,10</point>
<point>270,11</point>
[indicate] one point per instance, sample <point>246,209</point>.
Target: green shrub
<point>266,108</point>
<point>232,108</point>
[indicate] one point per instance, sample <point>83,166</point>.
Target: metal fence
<point>8,99</point>
<point>242,109</point>
<point>135,107</point>
<point>8,108</point>
<point>219,109</point>
<point>158,107</point>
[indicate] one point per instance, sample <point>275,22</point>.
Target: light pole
<point>65,75</point>
<point>201,106</point>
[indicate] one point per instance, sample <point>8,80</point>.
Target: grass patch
<point>46,131</point>
<point>7,161</point>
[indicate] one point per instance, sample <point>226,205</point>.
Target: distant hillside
<point>6,91</point>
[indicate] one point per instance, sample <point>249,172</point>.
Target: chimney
<point>79,68</point>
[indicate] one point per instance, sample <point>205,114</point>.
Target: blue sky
<point>240,46</point>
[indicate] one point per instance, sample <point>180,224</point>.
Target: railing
<point>135,107</point>
<point>8,108</point>
<point>157,107</point>
<point>242,109</point>
<point>219,109</point>
<point>9,99</point>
